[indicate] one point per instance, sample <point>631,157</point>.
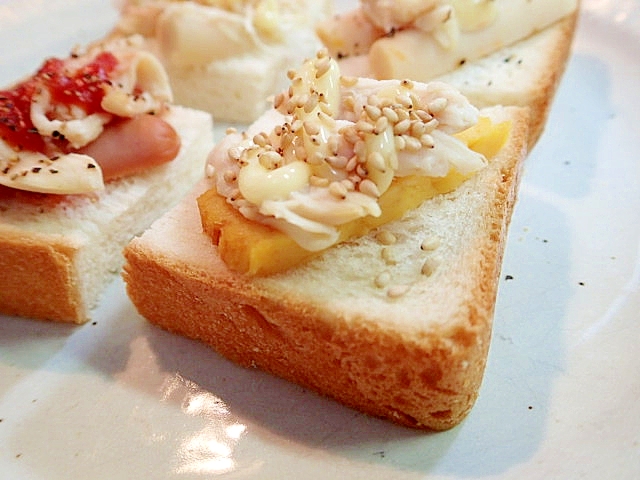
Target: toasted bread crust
<point>57,257</point>
<point>418,363</point>
<point>38,276</point>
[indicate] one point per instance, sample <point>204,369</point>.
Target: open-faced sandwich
<point>91,152</point>
<point>496,52</point>
<point>350,240</point>
<point>226,56</point>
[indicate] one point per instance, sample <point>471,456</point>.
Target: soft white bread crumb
<point>234,78</point>
<point>524,74</point>
<point>57,257</point>
<point>412,350</point>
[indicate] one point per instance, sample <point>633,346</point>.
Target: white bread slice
<point>58,256</point>
<point>229,79</point>
<point>525,74</point>
<point>416,358</point>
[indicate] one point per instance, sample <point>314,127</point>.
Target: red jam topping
<point>82,88</point>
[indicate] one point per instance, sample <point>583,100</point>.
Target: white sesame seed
<point>317,158</point>
<point>333,144</point>
<point>338,161</point>
<point>355,179</point>
<point>368,187</point>
<point>385,237</point>
<point>350,134</point>
<point>349,103</point>
<point>403,114</point>
<point>352,163</point>
<point>430,243</point>
<point>235,195</point>
<point>389,256</point>
<point>412,143</point>
<point>260,139</point>
<point>391,115</point>
<point>270,160</point>
<point>230,176</point>
<point>423,115</point>
<point>317,181</point>
<point>427,141</point>
<point>279,100</point>
<point>300,100</point>
<point>322,65</point>
<point>360,149</point>
<point>399,142</point>
<point>373,112</point>
<point>287,140</point>
<point>348,184</point>
<point>407,83</point>
<point>338,190</point>
<point>431,125</point>
<point>437,105</point>
<point>235,153</point>
<point>326,118</point>
<point>404,100</point>
<point>376,160</point>
<point>428,267</point>
<point>402,127</point>
<point>324,108</point>
<point>311,103</point>
<point>374,100</point>
<point>382,280</point>
<point>417,129</point>
<point>397,291</point>
<point>364,126</point>
<point>348,81</point>
<point>297,125</point>
<point>387,102</point>
<point>381,125</point>
<point>311,127</point>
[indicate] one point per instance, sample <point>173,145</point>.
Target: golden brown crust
<point>59,252</point>
<point>363,366</point>
<point>38,277</point>
<point>425,373</point>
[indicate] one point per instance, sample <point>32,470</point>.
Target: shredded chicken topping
<point>331,147</point>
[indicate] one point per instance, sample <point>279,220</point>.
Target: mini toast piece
<point>526,73</point>
<point>225,58</point>
<point>400,331</point>
<point>59,252</point>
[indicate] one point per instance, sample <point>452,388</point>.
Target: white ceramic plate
<point>120,399</point>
